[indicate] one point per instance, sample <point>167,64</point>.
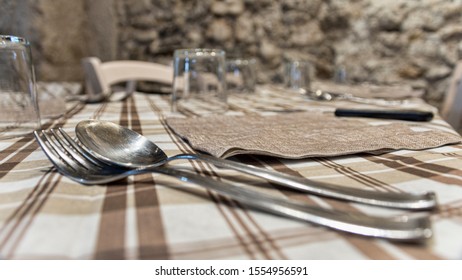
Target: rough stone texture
<point>384,42</point>
<point>62,33</point>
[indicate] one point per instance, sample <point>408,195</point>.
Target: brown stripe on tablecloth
<point>206,169</point>
<point>419,168</point>
<point>303,236</point>
<point>374,251</point>
<point>221,248</point>
<point>357,176</point>
<point>152,242</point>
<point>453,154</point>
<point>25,207</point>
<point>184,148</point>
<point>419,252</point>
<point>449,210</point>
<point>366,246</point>
<point>15,147</point>
<point>279,167</point>
<point>26,145</point>
<point>110,242</point>
<point>219,202</point>
<point>98,112</point>
<point>240,109</point>
<point>266,237</point>
<point>41,189</point>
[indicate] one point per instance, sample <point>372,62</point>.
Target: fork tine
<point>49,151</point>
<point>64,143</point>
<point>77,148</point>
<point>61,152</point>
<point>76,173</point>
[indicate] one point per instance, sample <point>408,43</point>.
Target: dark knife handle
<point>406,115</point>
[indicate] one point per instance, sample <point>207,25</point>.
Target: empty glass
<point>340,75</point>
<point>199,81</point>
<point>240,75</point>
<point>297,75</point>
<point>19,113</point>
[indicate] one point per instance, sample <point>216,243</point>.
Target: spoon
<point>120,146</point>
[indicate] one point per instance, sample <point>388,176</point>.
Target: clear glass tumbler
<point>241,75</point>
<point>199,81</point>
<point>297,75</point>
<point>19,113</point>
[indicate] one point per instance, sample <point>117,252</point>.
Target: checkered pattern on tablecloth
<point>44,215</point>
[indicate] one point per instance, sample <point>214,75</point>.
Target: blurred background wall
<point>384,42</point>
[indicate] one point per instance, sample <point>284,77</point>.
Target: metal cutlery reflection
<point>330,96</point>
<point>121,146</point>
<point>72,161</point>
<point>323,95</point>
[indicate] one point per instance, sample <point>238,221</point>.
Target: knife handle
<point>406,115</point>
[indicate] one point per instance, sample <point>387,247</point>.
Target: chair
<point>101,76</point>
<point>451,109</point>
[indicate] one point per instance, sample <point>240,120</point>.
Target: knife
<point>406,115</point>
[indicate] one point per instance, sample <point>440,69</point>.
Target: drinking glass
<point>199,81</point>
<point>241,75</point>
<point>19,113</point>
<point>297,75</point>
<point>340,75</point>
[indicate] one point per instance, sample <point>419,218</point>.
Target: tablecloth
<point>44,215</point>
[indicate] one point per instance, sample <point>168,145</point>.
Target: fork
<point>72,161</point>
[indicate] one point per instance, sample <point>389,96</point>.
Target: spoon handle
<point>413,201</point>
<point>417,229</point>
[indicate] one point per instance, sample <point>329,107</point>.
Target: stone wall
<point>384,42</point>
<point>62,32</point>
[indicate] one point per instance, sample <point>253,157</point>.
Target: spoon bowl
<point>113,143</point>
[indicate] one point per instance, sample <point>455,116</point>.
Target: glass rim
<point>199,52</point>
<point>11,39</point>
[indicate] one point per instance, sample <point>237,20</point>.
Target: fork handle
<point>409,229</point>
<point>413,201</point>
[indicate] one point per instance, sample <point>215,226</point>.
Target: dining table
<point>46,215</point>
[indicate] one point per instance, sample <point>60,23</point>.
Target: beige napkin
<point>301,135</point>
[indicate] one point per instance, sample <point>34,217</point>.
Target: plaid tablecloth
<point>44,215</point>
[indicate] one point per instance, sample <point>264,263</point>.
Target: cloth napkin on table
<point>301,135</point>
